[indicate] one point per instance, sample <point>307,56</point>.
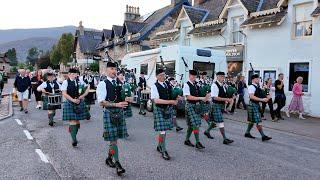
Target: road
<point>286,156</point>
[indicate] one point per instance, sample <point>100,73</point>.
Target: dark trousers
<point>280,100</point>
<point>37,95</point>
<point>270,104</point>
<point>241,100</point>
<point>30,92</point>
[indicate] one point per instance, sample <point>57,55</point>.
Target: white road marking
<point>19,122</point>
<point>27,133</point>
<point>43,157</point>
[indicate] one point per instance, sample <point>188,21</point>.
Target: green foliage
<point>55,56</point>
<point>14,69</point>
<point>94,67</point>
<point>12,56</point>
<point>32,57</point>
<point>21,65</point>
<point>65,47</point>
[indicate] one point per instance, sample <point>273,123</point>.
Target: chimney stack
<point>131,13</point>
<point>81,29</point>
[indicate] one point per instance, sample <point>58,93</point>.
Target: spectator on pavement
<point>36,81</point>
<point>22,84</point>
<point>296,103</point>
<point>241,87</point>
<point>280,97</point>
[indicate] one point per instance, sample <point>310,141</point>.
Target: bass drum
<point>149,105</point>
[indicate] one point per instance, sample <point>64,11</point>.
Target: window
<point>186,36</point>
<point>237,36</point>
<point>204,66</point>
<point>270,74</point>
<point>144,68</point>
<point>296,70</point>
<point>303,20</point>
<point>234,68</point>
<point>170,67</point>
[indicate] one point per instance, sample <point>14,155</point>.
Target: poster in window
<point>296,70</point>
<point>234,68</point>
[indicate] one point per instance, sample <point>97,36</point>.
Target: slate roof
<point>132,27</point>
<point>273,18</point>
<point>106,34</point>
<point>196,15</point>
<point>259,5</point>
<point>116,31</point>
<point>316,12</point>
<point>214,7</point>
<point>166,35</point>
<point>88,41</point>
<point>208,29</point>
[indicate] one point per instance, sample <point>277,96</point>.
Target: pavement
<point>48,153</point>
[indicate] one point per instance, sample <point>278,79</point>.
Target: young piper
<point>74,107</point>
<point>177,94</point>
<point>193,109</point>
<point>109,97</point>
<point>163,112</point>
<point>89,80</point>
<point>50,87</point>
<point>254,116</point>
<point>219,98</point>
<point>126,92</point>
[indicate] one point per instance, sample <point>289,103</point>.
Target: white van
<point>178,60</point>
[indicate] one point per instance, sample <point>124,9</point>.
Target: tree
<point>12,56</point>
<point>65,47</point>
<point>32,57</point>
<point>94,67</point>
<point>44,61</point>
<point>55,56</point>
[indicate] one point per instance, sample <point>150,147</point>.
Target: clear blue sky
<point>96,14</point>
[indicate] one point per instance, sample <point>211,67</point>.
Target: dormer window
<point>302,20</point>
<point>237,36</point>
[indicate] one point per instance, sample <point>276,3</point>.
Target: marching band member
<point>89,80</point>
<point>254,115</point>
<point>109,97</point>
<point>193,109</point>
<point>126,92</point>
<point>142,84</point>
<point>50,87</point>
<point>219,98</point>
<point>177,94</point>
<point>74,107</point>
<point>161,95</point>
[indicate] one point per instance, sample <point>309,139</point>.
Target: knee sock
<point>250,126</point>
<point>114,152</point>
<point>50,116</point>
<point>162,142</point>
<point>189,132</point>
<point>196,134</point>
<point>73,129</point>
<point>211,126</point>
<point>223,133</point>
<point>259,127</point>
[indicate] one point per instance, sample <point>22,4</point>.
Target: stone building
<point>4,63</point>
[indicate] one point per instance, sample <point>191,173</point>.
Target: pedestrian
<point>74,107</point>
<point>1,81</point>
<point>161,94</point>
<point>219,99</point>
<point>142,84</point>
<point>36,81</point>
<point>22,84</point>
<point>177,94</point>
<point>29,75</point>
<point>109,97</point>
<point>280,97</point>
<point>50,87</point>
<point>267,90</point>
<point>256,96</point>
<point>296,103</point>
<point>241,88</point>
<point>193,109</point>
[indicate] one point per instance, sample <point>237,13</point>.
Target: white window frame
<point>262,70</point>
<point>186,37</point>
<point>295,23</point>
<point>237,31</point>
<point>309,79</point>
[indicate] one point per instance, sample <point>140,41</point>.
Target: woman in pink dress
<point>296,103</point>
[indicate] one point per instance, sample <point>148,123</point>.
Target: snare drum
<point>52,101</point>
<point>145,95</point>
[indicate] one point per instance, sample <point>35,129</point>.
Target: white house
<point>275,36</point>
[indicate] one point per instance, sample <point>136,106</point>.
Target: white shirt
<point>102,91</point>
<point>64,85</point>
<point>154,90</point>
<point>44,85</point>
<point>252,89</point>
<point>186,89</point>
<point>81,79</point>
<point>215,89</point>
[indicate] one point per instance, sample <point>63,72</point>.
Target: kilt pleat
<point>193,118</point>
<point>205,107</point>
<point>254,114</point>
<point>113,132</point>
<point>216,112</point>
<point>128,111</point>
<point>161,123</point>
<point>69,113</point>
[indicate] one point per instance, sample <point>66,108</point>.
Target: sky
<point>97,14</point>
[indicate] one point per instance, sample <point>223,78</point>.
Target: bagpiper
<point>88,79</point>
<point>193,109</point>
<point>219,98</point>
<point>142,84</point>
<point>256,96</point>
<point>177,94</point>
<point>50,87</point>
<point>126,92</point>
<point>161,94</point>
<point>74,107</point>
<point>109,97</point>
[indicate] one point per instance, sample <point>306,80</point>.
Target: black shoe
<point>227,141</point>
<point>179,129</point>
<point>21,109</point>
<point>144,113</point>
<point>199,146</point>
<point>159,149</point>
<point>26,111</point>
<point>208,135</point>
<point>266,138</point>
<point>74,143</point>
<point>51,123</point>
<point>110,162</point>
<point>188,143</point>
<point>248,135</point>
<point>165,155</point>
<point>119,168</point>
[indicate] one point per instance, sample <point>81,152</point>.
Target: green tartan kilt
<point>46,106</point>
<point>69,113</point>
<point>254,114</point>
<point>205,107</point>
<point>112,131</point>
<point>216,113</point>
<point>162,123</point>
<point>128,111</point>
<point>193,118</point>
